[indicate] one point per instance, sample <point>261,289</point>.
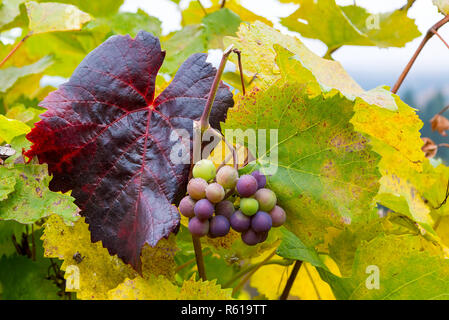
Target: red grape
<point>240,222</point>
<point>266,198</point>
<point>204,209</point>
<point>197,188</point>
<point>225,208</point>
<point>186,207</point>
<point>198,228</point>
<point>261,222</point>
<point>227,176</point>
<point>215,192</point>
<point>278,216</point>
<point>261,179</point>
<point>246,185</point>
<point>250,237</point>
<point>219,226</point>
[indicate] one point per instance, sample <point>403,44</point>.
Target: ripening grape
<point>219,226</point>
<point>204,209</point>
<point>227,176</point>
<point>225,208</point>
<point>240,222</point>
<point>261,222</point>
<point>266,198</point>
<point>263,236</point>
<point>197,188</point>
<point>204,169</point>
<point>197,227</point>
<point>215,192</point>
<point>261,179</point>
<point>250,237</point>
<point>249,206</point>
<point>278,216</point>
<point>186,207</point>
<point>246,185</point>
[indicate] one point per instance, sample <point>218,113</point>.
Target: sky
<point>371,66</point>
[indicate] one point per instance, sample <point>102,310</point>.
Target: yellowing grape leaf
<point>442,5</point>
<point>9,10</point>
<point>50,17</point>
<point>99,271</point>
<point>394,267</point>
<point>259,44</point>
<point>10,128</point>
<point>350,25</point>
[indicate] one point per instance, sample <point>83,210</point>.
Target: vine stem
<point>199,257</point>
<point>433,30</point>
<point>204,120</point>
<point>239,57</point>
<point>290,280</point>
<point>17,46</point>
<point>202,7</point>
<point>443,110</point>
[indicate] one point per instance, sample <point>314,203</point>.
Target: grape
<point>197,188</point>
<point>246,185</point>
<point>227,176</point>
<point>261,179</point>
<point>204,209</point>
<point>250,237</point>
<point>225,208</point>
<point>249,206</point>
<point>261,222</point>
<point>197,227</point>
<point>204,169</point>
<point>186,207</point>
<point>263,236</point>
<point>266,198</point>
<point>240,222</point>
<point>215,192</point>
<point>219,226</point>
<point>278,216</point>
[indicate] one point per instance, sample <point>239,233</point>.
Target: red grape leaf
<point>105,137</point>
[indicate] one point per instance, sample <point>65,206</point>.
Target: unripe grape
<point>204,169</point>
<point>196,188</point>
<point>261,222</point>
<point>246,185</point>
<point>225,208</point>
<point>240,222</point>
<point>197,227</point>
<point>250,237</point>
<point>266,198</point>
<point>278,216</point>
<point>261,179</point>
<point>219,226</point>
<point>249,206</point>
<point>186,207</point>
<point>204,209</point>
<point>227,176</point>
<point>215,192</point>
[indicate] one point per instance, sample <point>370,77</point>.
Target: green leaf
<point>350,25</point>
<point>31,199</point>
<point>24,114</point>
<point>8,229</point>
<point>9,10</point>
<point>293,248</point>
<point>131,23</point>
<point>101,8</point>
<point>326,172</point>
<point>10,75</point>
<point>218,24</point>
<point>407,270</point>
<point>10,128</point>
<point>50,17</point>
<point>7,183</point>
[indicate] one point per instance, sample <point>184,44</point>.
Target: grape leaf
<point>100,272</point>
<point>50,17</point>
<point>218,24</point>
<point>7,230</point>
<point>442,5</point>
<point>324,173</point>
<point>102,8</point>
<point>9,10</point>
<point>407,270</point>
<point>10,75</point>
<point>7,183</point>
<point>131,23</point>
<point>10,128</point>
<point>104,136</point>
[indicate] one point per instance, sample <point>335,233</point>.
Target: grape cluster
<point>256,211</point>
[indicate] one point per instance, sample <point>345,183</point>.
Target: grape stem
<point>430,33</point>
<point>204,120</point>
<point>199,257</point>
<point>17,46</point>
<point>443,110</point>
<point>291,280</point>
<point>239,58</point>
<point>202,7</point>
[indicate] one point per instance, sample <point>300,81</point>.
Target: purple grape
<point>186,207</point>
<point>204,209</point>
<point>239,221</point>
<point>225,208</point>
<point>263,236</point>
<point>215,192</point>
<point>278,216</point>
<point>250,237</point>
<point>197,227</point>
<point>246,185</point>
<point>266,198</point>
<point>261,179</point>
<point>261,222</point>
<point>197,188</point>
<point>219,226</point>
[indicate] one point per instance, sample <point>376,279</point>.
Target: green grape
<point>249,206</point>
<point>204,169</point>
<point>266,198</point>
